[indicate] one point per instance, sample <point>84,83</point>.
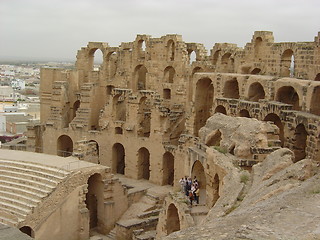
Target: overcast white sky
<point>56,29</point>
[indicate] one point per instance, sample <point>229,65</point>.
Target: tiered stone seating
<point>23,186</point>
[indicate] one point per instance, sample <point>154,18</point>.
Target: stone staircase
<point>23,186</point>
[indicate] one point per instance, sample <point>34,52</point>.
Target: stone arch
<point>215,189</point>
<point>256,71</point>
<point>192,56</point>
<point>141,45</point>
<point>288,95</point>
<point>214,138</point>
<point>257,47</point>
<point>203,103</point>
<point>198,171</point>
<point>95,200</point>
<point>216,57</point>
<point>64,146</point>
<point>112,64</point>
<point>119,107</point>
<point>300,142</point>
<point>27,230</point>
<point>140,77</point>
<point>169,74</point>
<point>315,100</point>
<point>272,117</point>
<point>256,92</point>
<point>173,221</point>
<point>170,50</point>
<point>196,69</point>
<point>96,59</point>
<point>74,109</point>
<point>244,113</point>
<point>168,168</point>
<point>317,78</point>
<point>286,63</point>
<point>231,89</point>
<point>118,158</point>
<point>94,151</point>
<point>144,118</point>
<point>143,163</point>
<point>220,109</point>
<point>227,63</point>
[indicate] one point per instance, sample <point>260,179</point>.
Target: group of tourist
<point>190,188</point>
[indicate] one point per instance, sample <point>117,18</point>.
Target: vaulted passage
<point>277,121</point>
<point>227,63</point>
<point>244,113</point>
<point>143,163</point>
<point>198,172</point>
<point>288,95</point>
<point>94,199</point>
<point>173,221</point>
<point>256,92</point>
<point>231,89</point>
<point>315,100</point>
<point>64,146</point>
<point>203,103</point>
<point>118,158</point>
<point>27,230</point>
<point>168,168</point>
<point>300,142</point>
<point>221,109</point>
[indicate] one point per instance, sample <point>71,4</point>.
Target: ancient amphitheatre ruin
<point>114,141</point>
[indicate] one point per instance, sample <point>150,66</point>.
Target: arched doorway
<point>140,76</point>
<point>288,95</point>
<point>287,63</point>
<point>256,92</point>
<point>317,78</point>
<point>198,172</point>
<point>27,230</point>
<point>231,89</point>
<point>118,158</point>
<point>168,168</point>
<point>244,113</point>
<point>95,59</point>
<point>315,100</point>
<point>143,163</point>
<point>220,109</point>
<point>173,221</point>
<point>272,117</point>
<point>300,142</point>
<point>64,146</point>
<point>94,199</point>
<point>203,103</point>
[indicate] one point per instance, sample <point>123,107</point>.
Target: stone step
<point>8,221</point>
<point>31,176</point>
<point>32,171</point>
<point>20,180</point>
<point>111,235</point>
<point>35,166</point>
<point>148,235</point>
<point>17,202</point>
<point>19,197</point>
<point>149,213</point>
<point>26,188</point>
<point>19,212</point>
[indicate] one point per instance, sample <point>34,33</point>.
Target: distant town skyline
<point>56,29</point>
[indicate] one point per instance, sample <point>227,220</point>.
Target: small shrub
<point>244,178</point>
<point>220,149</point>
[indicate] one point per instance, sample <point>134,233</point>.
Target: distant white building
<point>18,84</point>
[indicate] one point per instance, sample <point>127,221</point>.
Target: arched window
<point>221,109</point>
<point>192,56</point>
<point>170,50</point>
<point>168,168</point>
<point>216,57</point>
<point>143,163</point>
<point>300,142</point>
<point>169,74</point>
<point>118,158</point>
<point>244,113</point>
<point>173,221</point>
<point>272,117</point>
<point>64,146</point>
<point>95,59</point>
<point>257,47</point>
<point>140,76</point>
